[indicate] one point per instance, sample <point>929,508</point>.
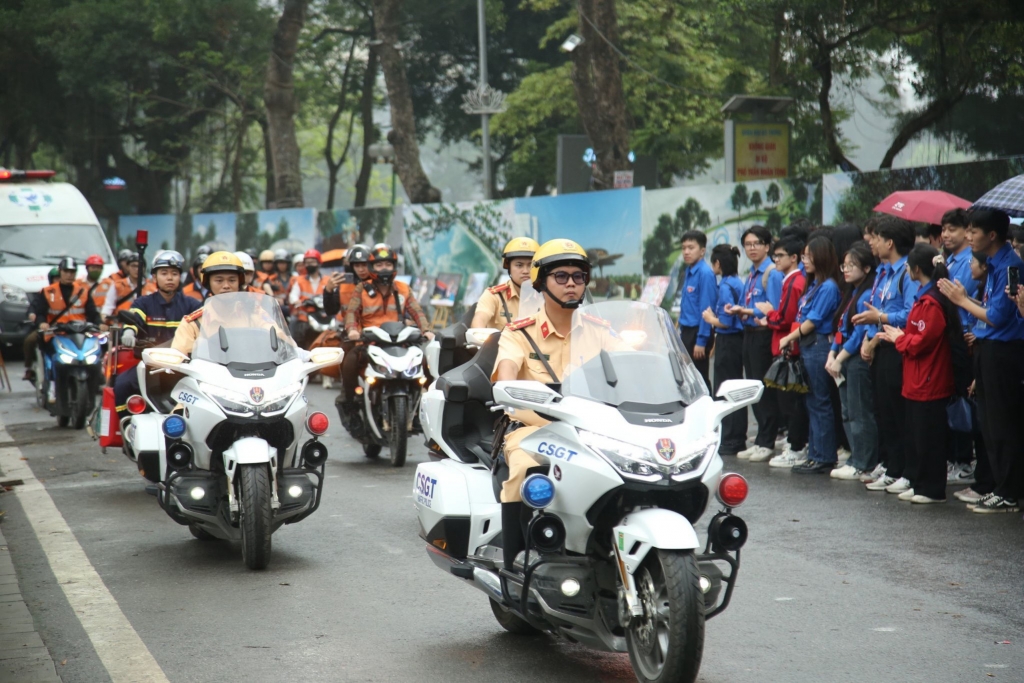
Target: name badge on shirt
<point>546,356</point>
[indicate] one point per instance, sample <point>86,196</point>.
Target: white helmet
<point>297,260</point>
<point>247,263</point>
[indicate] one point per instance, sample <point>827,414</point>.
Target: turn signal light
<point>136,405</point>
<point>317,423</point>
<point>732,490</point>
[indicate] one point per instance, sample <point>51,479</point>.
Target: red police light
<point>732,490</point>
<point>136,405</point>
<point>317,424</point>
<point>142,238</point>
<point>8,174</point>
<point>39,175</point>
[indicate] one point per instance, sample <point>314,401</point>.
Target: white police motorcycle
<point>629,464</point>
<point>225,442</point>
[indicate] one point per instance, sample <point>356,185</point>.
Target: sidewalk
<point>23,656</point>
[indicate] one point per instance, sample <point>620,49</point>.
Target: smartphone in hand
<point>1013,279</point>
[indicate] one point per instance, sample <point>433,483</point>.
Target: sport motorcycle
<point>72,372</point>
<point>628,452</point>
<point>225,440</point>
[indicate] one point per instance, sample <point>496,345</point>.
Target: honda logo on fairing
<point>253,374</point>
<point>657,419</point>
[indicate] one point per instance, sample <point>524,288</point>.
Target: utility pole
<point>485,100</point>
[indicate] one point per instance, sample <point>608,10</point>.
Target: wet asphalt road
<point>836,584</point>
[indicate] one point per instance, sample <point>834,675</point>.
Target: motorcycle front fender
<point>640,531</point>
<point>248,451</point>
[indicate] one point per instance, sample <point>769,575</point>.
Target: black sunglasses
<point>562,277</point>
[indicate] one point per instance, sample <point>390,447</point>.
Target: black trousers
<point>890,408</point>
<point>729,365</point>
<point>794,413</point>
<point>837,416</point>
<point>757,358</point>
<point>928,446</point>
<point>352,366</point>
<point>689,338</point>
<point>1000,371</point>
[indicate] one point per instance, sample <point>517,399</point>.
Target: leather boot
<point>512,539</point>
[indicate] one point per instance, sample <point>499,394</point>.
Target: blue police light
<point>538,491</point>
<point>174,426</point>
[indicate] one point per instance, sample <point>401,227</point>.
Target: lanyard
<point>750,286</point>
<point>894,277</point>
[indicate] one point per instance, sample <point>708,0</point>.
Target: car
<point>40,222</point>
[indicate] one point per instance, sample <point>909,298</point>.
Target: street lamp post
<point>485,100</point>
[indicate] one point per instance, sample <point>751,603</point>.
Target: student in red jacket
<point>926,348</point>
<point>786,254</point>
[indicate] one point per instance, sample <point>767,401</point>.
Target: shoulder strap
<point>507,313</point>
<point>764,277</point>
<point>536,350</point>
<point>75,294</point>
<point>126,297</point>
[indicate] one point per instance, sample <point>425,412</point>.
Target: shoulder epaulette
<point>597,321</point>
<point>192,317</point>
<point>522,323</point>
<point>500,289</point>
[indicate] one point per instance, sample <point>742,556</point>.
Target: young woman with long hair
<point>814,328</point>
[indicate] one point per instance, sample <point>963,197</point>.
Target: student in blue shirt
<point>856,392</point>
<point>700,291</point>
<point>729,340</point>
<point>998,359</point>
<point>814,331</point>
<point>763,284</point>
<point>894,292</point>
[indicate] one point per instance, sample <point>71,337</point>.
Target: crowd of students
<point>893,325</point>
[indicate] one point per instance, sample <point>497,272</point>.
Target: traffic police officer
<point>156,317</point>
<point>499,305</point>
<point>222,273</point>
<point>538,348</point>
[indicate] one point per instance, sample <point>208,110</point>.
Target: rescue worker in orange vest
<point>36,302</point>
<point>65,301</point>
<point>194,289</point>
<point>381,299</point>
<point>266,264</point>
<point>499,305</point>
<point>300,297</point>
<point>122,294</point>
<point>357,269</point>
<point>281,280</point>
<point>98,288</point>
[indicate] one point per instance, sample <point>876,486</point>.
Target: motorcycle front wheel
<point>255,515</point>
<point>80,401</point>
<point>666,644</point>
<point>399,436</point>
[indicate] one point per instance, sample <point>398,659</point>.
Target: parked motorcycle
<point>225,439</point>
<point>74,369</point>
<point>629,463</point>
<point>389,390</point>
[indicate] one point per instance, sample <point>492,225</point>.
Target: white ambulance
<point>40,223</point>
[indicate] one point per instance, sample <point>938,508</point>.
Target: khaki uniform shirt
<point>490,303</point>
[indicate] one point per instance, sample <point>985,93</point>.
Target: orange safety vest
<point>307,291</point>
<point>123,287</point>
<point>374,312</point>
<point>345,291</point>
<point>98,291</point>
<point>55,302</point>
<point>193,291</point>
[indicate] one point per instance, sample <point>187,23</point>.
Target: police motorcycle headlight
<point>280,400</point>
<point>637,462</point>
<point>231,402</point>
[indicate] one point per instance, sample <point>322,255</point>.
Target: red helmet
<point>94,260</point>
<point>313,253</point>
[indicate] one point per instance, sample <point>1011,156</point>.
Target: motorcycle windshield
<point>627,354</point>
<point>243,328</point>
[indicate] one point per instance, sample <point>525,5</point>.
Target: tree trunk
<point>279,95</point>
<point>270,184</point>
<point>334,166</point>
<point>823,65</point>
<point>599,94</point>
<point>386,17</point>
<point>366,120</point>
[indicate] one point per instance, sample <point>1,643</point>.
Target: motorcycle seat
<point>471,381</point>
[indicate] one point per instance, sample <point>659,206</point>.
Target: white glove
<point>128,338</point>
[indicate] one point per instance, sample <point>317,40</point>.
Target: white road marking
<point>884,629</point>
<point>120,649</point>
<point>783,599</point>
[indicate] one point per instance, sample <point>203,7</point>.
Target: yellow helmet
<point>518,247</point>
<point>221,262</point>
<point>266,255</point>
<point>556,252</point>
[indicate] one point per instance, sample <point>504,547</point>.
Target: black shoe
<point>512,539</point>
<point>814,467</point>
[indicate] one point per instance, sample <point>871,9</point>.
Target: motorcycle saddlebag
<point>330,339</point>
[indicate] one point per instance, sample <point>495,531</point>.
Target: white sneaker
<point>843,454</point>
<point>789,459</point>
<point>907,495</point>
<point>746,453</point>
<point>328,382</point>
<point>926,500</point>
<point>846,473</point>
<point>880,484</point>
<point>761,454</point>
<point>873,475</point>
<point>782,444</point>
<point>960,475</point>
<point>899,486</point>
<point>969,495</point>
